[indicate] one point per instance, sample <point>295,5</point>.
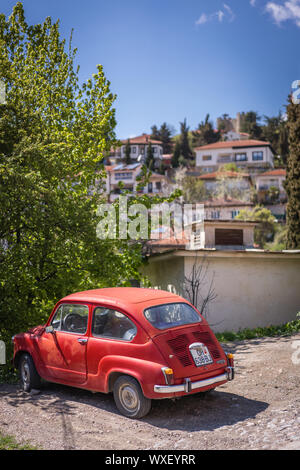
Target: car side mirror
<point>49,329</point>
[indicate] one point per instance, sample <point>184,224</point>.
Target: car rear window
<point>171,315</point>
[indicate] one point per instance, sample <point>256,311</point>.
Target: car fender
<point>145,372</point>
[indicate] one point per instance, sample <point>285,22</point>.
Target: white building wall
<point>253,289</point>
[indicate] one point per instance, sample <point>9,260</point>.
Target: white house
<point>272,178</point>
<point>252,155</point>
<point>139,146</point>
<point>126,174</point>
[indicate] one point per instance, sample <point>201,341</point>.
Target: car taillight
<point>168,375</point>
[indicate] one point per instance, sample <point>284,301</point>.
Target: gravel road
<point>258,410</point>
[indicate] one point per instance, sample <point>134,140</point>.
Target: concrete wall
<point>253,288</point>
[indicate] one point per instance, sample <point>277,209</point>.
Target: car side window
<point>71,318</point>
<point>110,323</point>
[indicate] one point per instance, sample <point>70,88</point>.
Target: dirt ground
<point>258,410</point>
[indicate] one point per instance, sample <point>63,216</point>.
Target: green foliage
<point>10,443</point>
<point>149,162</point>
<point>275,131</point>
<point>185,149</point>
<point>292,183</point>
<point>193,190</point>
<point>53,135</point>
<point>269,331</point>
<point>266,228</point>
<point>164,134</point>
<point>127,153</point>
<point>205,133</point>
<point>279,242</point>
<point>176,155</point>
<point>273,194</point>
<point>249,124</point>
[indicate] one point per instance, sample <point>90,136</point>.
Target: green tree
<point>53,134</point>
<point>275,131</point>
<point>164,134</point>
<point>265,230</point>
<point>149,162</point>
<point>127,159</point>
<point>193,190</point>
<point>292,183</point>
<point>185,149</point>
<point>205,133</point>
<point>176,155</point>
<point>250,124</point>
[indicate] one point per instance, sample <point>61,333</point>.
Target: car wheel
<point>29,377</point>
<point>129,398</point>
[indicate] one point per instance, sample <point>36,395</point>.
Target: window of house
<point>215,214</point>
<point>108,323</point>
<point>206,157</point>
<point>256,156</point>
<point>240,157</point>
<point>150,187</point>
<point>234,213</point>
<point>158,185</point>
<point>133,149</point>
<point>154,149</point>
<point>123,176</point>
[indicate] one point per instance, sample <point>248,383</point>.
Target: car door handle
<point>82,340</point>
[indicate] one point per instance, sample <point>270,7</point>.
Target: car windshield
<point>171,315</point>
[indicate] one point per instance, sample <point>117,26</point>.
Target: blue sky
<point>172,59</point>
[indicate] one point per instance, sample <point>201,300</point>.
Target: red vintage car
<point>141,344</point>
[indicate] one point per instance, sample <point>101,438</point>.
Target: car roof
<point>124,295</point>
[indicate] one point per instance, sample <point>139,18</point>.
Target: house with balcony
<point>240,181</point>
<point>226,208</point>
<point>121,173</point>
<point>271,192</point>
<point>254,156</point>
<point>139,147</point>
<point>157,184</point>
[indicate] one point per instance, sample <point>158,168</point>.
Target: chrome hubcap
<point>25,373</point>
<point>128,397</point>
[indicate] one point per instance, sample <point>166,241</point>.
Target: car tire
<point>129,397</point>
<point>29,377</point>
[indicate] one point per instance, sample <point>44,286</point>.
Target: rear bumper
<point>188,386</point>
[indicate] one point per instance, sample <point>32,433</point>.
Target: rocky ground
<point>258,410</point>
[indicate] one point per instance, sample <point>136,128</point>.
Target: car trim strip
<point>192,385</point>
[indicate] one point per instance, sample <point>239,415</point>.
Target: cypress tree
<point>127,159</point>
<point>292,183</point>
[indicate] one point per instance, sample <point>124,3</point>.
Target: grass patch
<point>10,443</point>
<point>268,331</point>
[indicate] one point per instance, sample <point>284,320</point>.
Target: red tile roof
<point>142,139</point>
<point>223,202</point>
<point>276,172</point>
<point>234,144</point>
<point>218,174</point>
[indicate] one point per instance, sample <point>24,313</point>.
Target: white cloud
<point>226,13</point>
<point>252,3</point>
<point>203,19</point>
<point>230,12</point>
<point>288,11</point>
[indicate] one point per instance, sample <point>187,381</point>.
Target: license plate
<point>201,355</point>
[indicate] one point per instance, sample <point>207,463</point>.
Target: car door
<point>112,333</point>
<point>63,350</point>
